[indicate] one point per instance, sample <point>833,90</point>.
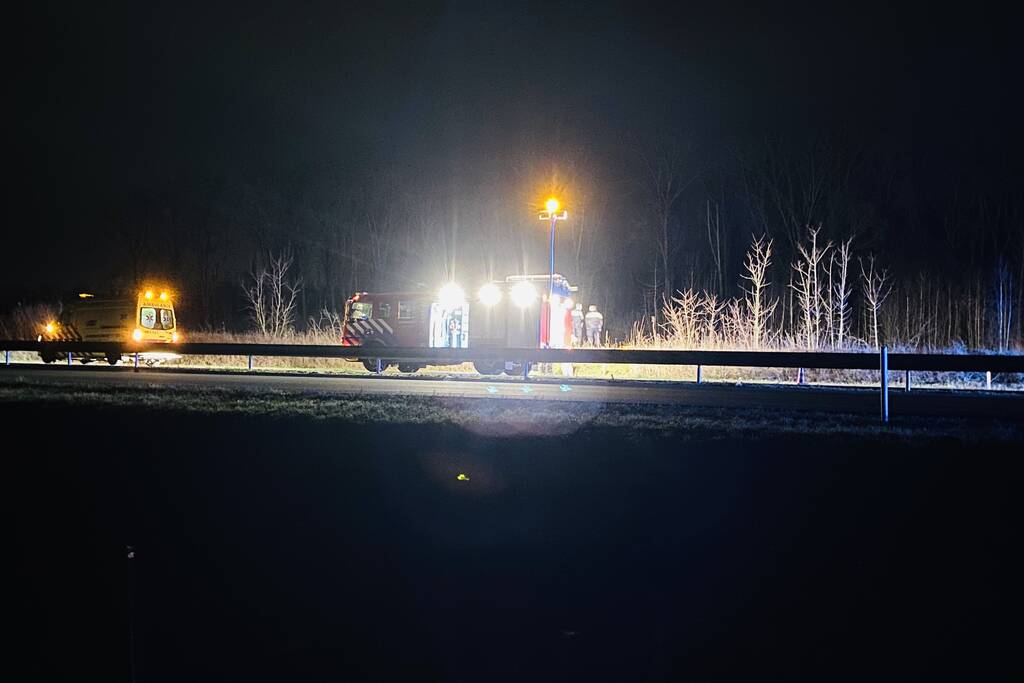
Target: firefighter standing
<point>595,322</point>
<point>577,325</point>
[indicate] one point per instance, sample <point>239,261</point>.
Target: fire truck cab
<point>510,313</point>
<point>404,319</point>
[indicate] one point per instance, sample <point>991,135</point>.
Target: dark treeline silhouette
<point>648,218</point>
<point>401,148</point>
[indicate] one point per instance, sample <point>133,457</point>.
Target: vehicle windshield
<point>166,318</point>
<point>360,310</point>
<point>156,318</point>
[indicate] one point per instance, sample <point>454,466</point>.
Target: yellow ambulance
<point>147,318</point>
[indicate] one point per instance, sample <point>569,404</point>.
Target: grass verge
<point>503,417</point>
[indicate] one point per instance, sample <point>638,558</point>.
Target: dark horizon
<point>137,125</point>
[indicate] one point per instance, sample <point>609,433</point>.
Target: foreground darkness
<point>288,550</point>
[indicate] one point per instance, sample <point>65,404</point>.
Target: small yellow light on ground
<point>552,205</point>
<point>462,477</point>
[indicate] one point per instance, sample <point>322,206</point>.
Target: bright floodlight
<point>490,294</point>
<point>451,295</point>
<point>523,294</point>
<point>552,205</point>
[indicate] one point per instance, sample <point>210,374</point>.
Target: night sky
<point>117,101</point>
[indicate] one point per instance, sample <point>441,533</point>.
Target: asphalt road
<point>1003,405</point>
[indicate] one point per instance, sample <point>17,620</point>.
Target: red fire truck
<point>510,313</point>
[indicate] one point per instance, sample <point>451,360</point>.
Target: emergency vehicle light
<point>523,294</point>
<point>137,334</point>
<point>490,294</point>
<point>49,328</point>
<point>149,294</point>
<point>451,295</point>
<point>163,296</point>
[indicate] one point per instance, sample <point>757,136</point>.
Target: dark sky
<point>112,98</point>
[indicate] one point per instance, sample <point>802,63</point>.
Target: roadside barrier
<point>883,361</point>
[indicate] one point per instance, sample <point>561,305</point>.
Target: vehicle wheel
<point>515,370</point>
<point>113,358</point>
<point>47,357</point>
<point>371,364</point>
<point>405,367</point>
<point>85,361</point>
<point>489,367</point>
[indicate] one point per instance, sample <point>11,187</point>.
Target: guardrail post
<point>800,376</point>
<point>378,367</point>
<point>526,370</point>
<point>988,379</point>
<point>250,363</point>
<point>7,357</point>
<point>136,362</point>
<point>907,383</point>
<point>69,359</point>
<point>883,367</point>
<point>698,375</point>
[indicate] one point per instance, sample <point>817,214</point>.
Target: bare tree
<point>759,308</point>
<point>271,296</point>
<point>665,180</point>
<point>1004,305</point>
<point>713,222</point>
<point>809,288</point>
<point>840,293</point>
<point>876,289</point>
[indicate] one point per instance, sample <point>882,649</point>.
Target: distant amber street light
<point>552,205</point>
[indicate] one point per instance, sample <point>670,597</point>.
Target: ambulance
<point>147,318</point>
<point>512,313</point>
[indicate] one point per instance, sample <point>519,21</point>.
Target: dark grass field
<point>288,548</point>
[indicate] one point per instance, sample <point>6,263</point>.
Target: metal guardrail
<point>884,361</point>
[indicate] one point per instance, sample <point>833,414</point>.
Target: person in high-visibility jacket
<point>577,325</point>
<point>595,323</point>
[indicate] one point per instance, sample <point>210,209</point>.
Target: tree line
<point>825,244</point>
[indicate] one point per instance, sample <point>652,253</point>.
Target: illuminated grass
<point>503,417</point>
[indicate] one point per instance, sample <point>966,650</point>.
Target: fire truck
<point>512,313</point>
<point>147,318</point>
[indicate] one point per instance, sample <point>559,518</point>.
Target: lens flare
<point>490,294</point>
<point>451,295</point>
<point>523,294</point>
